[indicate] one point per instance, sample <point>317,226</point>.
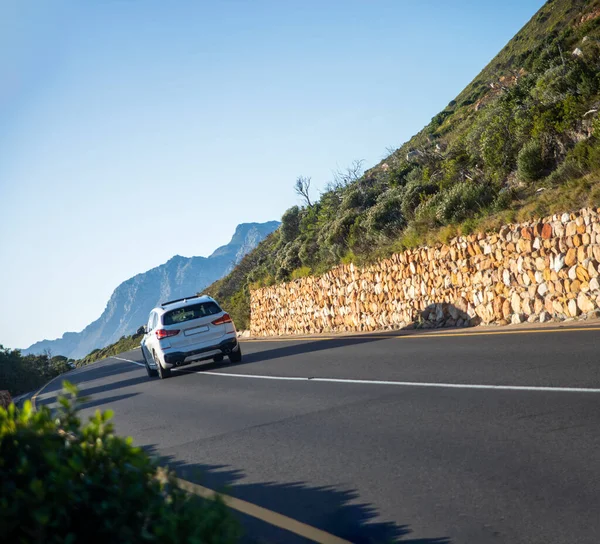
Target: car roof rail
<point>163,304</point>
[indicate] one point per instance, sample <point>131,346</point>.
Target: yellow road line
<point>268,516</point>
<point>35,395</point>
<point>499,333</point>
<point>423,335</point>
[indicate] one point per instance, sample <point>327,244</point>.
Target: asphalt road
<point>383,462</point>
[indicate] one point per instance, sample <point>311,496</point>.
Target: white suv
<point>188,330</point>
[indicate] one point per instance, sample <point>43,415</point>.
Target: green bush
<point>530,163</point>
<point>456,203</point>
<point>290,260</point>
<point>552,86</point>
<point>63,482</point>
<point>566,171</point>
<point>302,272</point>
<point>465,200</point>
<point>586,154</point>
<point>426,212</point>
<point>23,373</point>
<point>290,224</point>
<point>386,216</point>
<point>503,200</point>
<point>497,139</point>
<point>353,199</point>
<point>338,231</point>
<point>398,174</point>
<point>238,307</point>
<point>415,192</point>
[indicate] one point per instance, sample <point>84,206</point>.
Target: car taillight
<point>165,333</point>
<point>222,320</point>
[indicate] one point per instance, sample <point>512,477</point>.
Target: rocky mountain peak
<point>130,302</point>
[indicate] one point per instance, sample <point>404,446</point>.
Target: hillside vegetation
<point>24,373</point>
<point>125,343</point>
<point>521,140</point>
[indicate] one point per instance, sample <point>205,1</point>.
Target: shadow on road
<point>95,371</point>
<point>84,375</point>
<point>94,403</point>
<point>301,348</point>
<point>121,384</point>
<point>329,508</point>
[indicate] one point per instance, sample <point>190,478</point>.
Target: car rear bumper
<point>178,358</point>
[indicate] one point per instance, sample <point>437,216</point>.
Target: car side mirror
<point>142,330</point>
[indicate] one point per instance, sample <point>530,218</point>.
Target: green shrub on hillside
<point>497,140</point>
<point>125,343</point>
<point>61,481</point>
<point>586,154</point>
<point>300,273</point>
<point>24,373</point>
<point>290,224</point>
<point>530,161</point>
<point>337,234</point>
<point>416,191</point>
<point>463,200</point>
<point>289,257</point>
<point>455,204</point>
<point>386,216</point>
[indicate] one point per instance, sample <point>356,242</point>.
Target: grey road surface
<point>383,462</point>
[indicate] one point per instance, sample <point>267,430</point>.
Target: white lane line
<point>413,384</point>
<point>268,516</point>
<point>404,384</point>
<point>127,360</point>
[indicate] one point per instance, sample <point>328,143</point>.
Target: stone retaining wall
<point>535,271</point>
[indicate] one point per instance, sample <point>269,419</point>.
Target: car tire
<point>152,373</point>
<point>163,373</point>
<point>218,358</point>
<point>236,356</point>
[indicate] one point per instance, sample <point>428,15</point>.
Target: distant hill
<point>131,301</point>
<point>521,140</point>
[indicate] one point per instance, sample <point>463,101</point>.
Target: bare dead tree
<point>390,150</point>
<point>302,188</point>
<point>350,174</point>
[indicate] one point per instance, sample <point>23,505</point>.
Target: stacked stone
<point>535,271</point>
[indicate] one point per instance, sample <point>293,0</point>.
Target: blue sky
<point>120,117</point>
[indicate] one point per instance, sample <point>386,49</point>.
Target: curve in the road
<point>263,514</point>
<point>484,437</point>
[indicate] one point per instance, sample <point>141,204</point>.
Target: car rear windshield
<point>193,311</point>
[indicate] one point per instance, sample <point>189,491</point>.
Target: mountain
<point>522,140</point>
<point>131,302</point>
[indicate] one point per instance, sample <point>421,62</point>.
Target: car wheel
<point>236,356</point>
<point>218,358</point>
<point>152,373</point>
<point>163,373</point>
